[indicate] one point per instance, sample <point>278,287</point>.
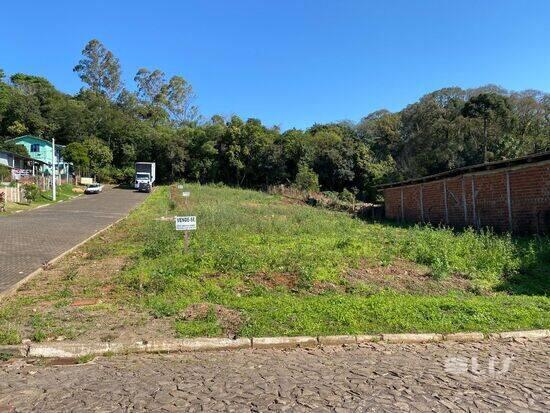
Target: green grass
<point>267,267</point>
<point>244,235</point>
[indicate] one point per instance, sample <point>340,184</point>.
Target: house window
<point>35,147</point>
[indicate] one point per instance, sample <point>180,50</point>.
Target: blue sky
<point>291,63</point>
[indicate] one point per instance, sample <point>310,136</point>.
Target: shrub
<point>347,196</point>
<point>31,192</point>
<point>5,173</point>
<point>306,178</point>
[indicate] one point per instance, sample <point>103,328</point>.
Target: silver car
<point>93,189</point>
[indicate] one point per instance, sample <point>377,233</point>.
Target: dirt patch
<point>404,276</point>
<point>286,200</point>
<point>230,320</point>
<point>322,287</point>
<point>85,302</point>
<point>274,280</point>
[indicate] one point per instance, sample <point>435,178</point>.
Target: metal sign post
<point>54,192</point>
<point>186,224</point>
<point>186,196</point>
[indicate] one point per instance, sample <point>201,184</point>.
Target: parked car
<point>144,187</point>
<point>93,189</point>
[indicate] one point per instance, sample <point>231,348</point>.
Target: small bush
<point>31,192</point>
<point>347,196</point>
<point>306,178</point>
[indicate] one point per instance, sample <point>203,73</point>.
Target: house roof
<point>36,138</point>
<point>22,157</point>
<point>506,163</point>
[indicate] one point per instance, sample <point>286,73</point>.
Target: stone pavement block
<point>463,337</point>
<point>368,338</point>
<point>17,350</point>
<point>336,340</point>
<point>67,349</point>
<point>284,342</point>
<point>525,334</point>
<point>192,344</point>
<point>411,338</point>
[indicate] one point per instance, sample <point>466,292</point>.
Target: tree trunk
<point>485,140</point>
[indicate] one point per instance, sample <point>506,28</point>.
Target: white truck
<point>145,173</point>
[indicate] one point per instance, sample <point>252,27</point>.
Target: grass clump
<point>9,336</point>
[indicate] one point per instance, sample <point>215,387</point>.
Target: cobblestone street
<point>32,238</point>
<point>489,376</point>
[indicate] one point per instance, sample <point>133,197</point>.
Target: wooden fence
<point>13,194</point>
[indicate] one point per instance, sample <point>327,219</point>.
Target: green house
<point>41,150</point>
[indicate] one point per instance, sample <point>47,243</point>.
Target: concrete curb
<point>75,350</point>
<point>11,290</point>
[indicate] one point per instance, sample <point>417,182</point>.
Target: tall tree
<point>489,107</point>
<point>179,100</point>
<point>99,69</point>
<point>151,85</point>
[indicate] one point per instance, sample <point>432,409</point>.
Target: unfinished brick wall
<point>513,199</point>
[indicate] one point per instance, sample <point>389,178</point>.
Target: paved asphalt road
<point>30,239</point>
<point>488,377</point>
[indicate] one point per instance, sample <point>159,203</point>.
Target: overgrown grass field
<point>260,265</point>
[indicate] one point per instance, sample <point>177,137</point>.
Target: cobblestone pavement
<point>501,376</point>
<point>30,239</point>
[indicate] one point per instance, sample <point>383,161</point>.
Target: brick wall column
<point>474,196</point>
<point>509,201</point>
<point>445,199</point>
<point>422,202</point>
<point>464,206</point>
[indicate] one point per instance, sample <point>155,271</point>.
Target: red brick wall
<point>529,187</point>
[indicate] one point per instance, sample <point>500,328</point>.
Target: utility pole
<point>53,170</point>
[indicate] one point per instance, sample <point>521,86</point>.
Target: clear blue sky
<point>290,62</point>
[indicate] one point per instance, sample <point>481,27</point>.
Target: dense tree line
<point>108,127</point>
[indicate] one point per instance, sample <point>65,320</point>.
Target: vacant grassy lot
<point>261,265</point>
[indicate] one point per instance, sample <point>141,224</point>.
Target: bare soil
<point>230,320</point>
<point>404,276</point>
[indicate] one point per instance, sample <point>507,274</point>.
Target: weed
<point>85,359</point>
<point>9,336</point>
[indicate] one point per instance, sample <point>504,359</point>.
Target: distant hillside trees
<point>108,127</point>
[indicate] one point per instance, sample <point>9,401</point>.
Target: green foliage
<point>306,179</point>
<point>14,148</point>
<point>5,173</point>
<point>99,154</point>
<point>99,69</point>
<point>160,239</point>
<point>32,192</point>
<point>9,336</point>
<point>346,196</point>
<point>77,153</point>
